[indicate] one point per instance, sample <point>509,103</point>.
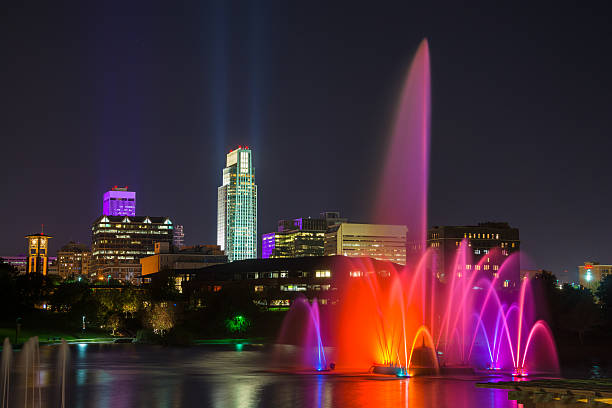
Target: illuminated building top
<point>119,202</point>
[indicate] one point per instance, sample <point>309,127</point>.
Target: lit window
<point>323,274</point>
<point>506,283</point>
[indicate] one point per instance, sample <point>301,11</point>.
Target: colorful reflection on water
<point>122,376</point>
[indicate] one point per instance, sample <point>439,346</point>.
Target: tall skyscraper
<point>237,206</point>
<point>38,253</point>
<point>119,202</point>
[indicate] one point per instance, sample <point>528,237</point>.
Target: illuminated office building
<point>237,207</point>
<point>489,243</point>
<point>382,242</point>
<point>38,253</point>
<point>119,202</point>
<point>591,273</point>
<point>73,260</point>
<point>118,243</point>
<point>295,238</point>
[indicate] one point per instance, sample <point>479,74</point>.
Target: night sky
<point>154,94</point>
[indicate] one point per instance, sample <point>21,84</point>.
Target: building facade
<point>237,207</point>
<point>591,273</point>
<point>19,262</point>
<point>73,259</point>
<point>276,283</point>
<point>489,244</point>
<point>118,243</point>
<point>38,253</point>
<point>180,261</point>
<point>378,241</point>
<point>178,237</point>
<point>119,202</point>
<point>295,238</point>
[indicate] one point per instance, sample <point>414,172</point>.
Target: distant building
<point>237,207</point>
<point>295,238</point>
<point>118,243</point>
<point>73,260</point>
<point>53,268</point>
<point>20,262</point>
<point>119,202</point>
<point>481,239</point>
<point>178,237</point>
<point>591,273</point>
<point>332,218</point>
<point>276,283</point>
<point>38,248</point>
<point>190,258</point>
<point>382,242</point>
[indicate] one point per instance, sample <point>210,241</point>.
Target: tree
<point>546,285</point>
<point>604,294</point>
<point>163,288</point>
<point>161,318</point>
<point>32,289</point>
<point>132,300</point>
<point>113,322</point>
<point>8,290</point>
<point>578,311</point>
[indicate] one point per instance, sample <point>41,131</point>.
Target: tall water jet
<point>63,362</point>
<point>5,374</point>
<point>402,198</point>
<point>29,369</point>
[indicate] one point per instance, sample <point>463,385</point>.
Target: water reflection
<point>121,376</point>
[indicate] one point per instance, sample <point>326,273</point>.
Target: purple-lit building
<point>295,238</point>
<point>119,202</point>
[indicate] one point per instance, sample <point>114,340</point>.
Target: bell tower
<point>38,248</point>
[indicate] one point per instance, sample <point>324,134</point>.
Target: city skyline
<point>503,124</point>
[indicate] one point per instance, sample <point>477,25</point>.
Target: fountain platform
<point>385,369</point>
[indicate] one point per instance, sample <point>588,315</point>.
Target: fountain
<point>302,329</point>
<point>407,321</point>
<point>26,382</point>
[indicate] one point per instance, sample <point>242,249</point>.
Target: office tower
<point>118,243</point>
<point>382,242</point>
<point>237,206</point>
<point>38,253</point>
<point>178,237</point>
<point>119,202</point>
<point>494,241</point>
<point>295,238</point>
<point>73,260</point>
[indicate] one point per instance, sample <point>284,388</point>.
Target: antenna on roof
<point>42,229</point>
